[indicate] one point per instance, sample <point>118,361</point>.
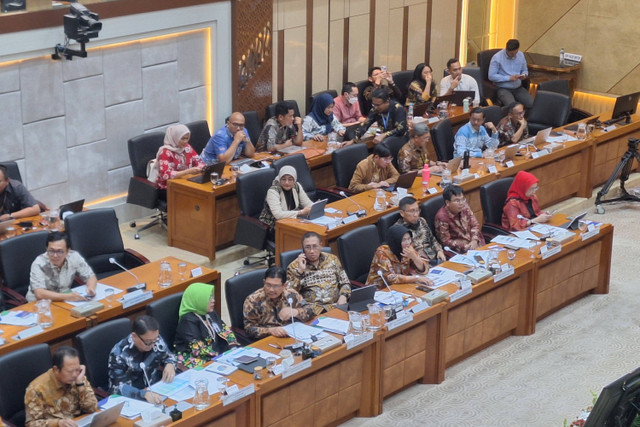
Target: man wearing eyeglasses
<point>53,272</point>
<point>268,309</point>
<point>140,360</point>
<point>376,171</point>
<point>229,142</point>
<point>456,226</point>
<point>318,276</point>
<point>513,127</point>
<point>424,242</point>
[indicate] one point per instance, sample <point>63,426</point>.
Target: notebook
<point>207,171</point>
<point>359,299</point>
<point>404,181</point>
<point>317,210</point>
<point>102,419</point>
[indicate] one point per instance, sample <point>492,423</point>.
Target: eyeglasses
<point>518,113</point>
<point>462,200</point>
<point>238,125</point>
<point>274,287</point>
<point>311,247</point>
<point>378,105</point>
<point>55,252</point>
<point>149,343</point>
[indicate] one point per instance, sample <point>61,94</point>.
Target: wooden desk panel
<point>609,148</point>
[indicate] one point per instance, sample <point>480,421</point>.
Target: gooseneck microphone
<point>146,378</point>
<point>395,298</point>
<point>360,212</point>
<point>138,285</point>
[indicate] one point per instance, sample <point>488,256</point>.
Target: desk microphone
<point>295,346</point>
<point>395,298</point>
<point>360,212</point>
<point>146,378</point>
<point>138,285</point>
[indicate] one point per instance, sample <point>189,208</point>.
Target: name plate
<point>277,369</point>
<point>493,169</point>
<point>431,120</point>
<point>196,272</point>
<point>589,234</point>
<point>244,392</point>
<point>546,253</point>
<point>510,164</point>
<point>419,307</point>
<point>353,341</point>
<point>29,332</point>
<point>305,364</point>
<point>350,219</point>
<point>403,318</point>
<point>503,274</point>
<point>135,298</point>
<point>459,294</point>
<point>539,153</point>
<point>432,190</point>
<point>332,225</point>
<point>572,57</point>
<point>610,128</point>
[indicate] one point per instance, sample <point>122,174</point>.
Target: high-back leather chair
<point>365,105</point>
<point>344,162</point>
<point>16,256</point>
<point>550,109</point>
<point>288,257</point>
<point>236,290</point>
<point>13,171</point>
<point>385,222</point>
<point>165,311</point>
<point>493,114</point>
<point>252,125</point>
<point>95,234</point>
<point>402,80</point>
<point>443,138</point>
<point>19,368</point>
<point>270,110</point>
<point>357,248</point>
<point>429,209</point>
<point>332,92</point>
<point>394,144</point>
<point>562,86</point>
<point>200,135</point>
<point>492,198</point>
<point>94,346</point>
<point>142,192</point>
<point>489,89</point>
<point>299,162</point>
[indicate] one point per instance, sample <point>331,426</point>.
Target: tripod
<point>622,170</point>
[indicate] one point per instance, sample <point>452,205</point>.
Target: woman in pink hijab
<point>176,158</point>
<point>521,209</point>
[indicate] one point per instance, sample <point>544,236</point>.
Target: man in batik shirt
<point>456,226</point>
<point>423,239</point>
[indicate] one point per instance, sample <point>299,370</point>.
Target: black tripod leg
<point>616,173</point>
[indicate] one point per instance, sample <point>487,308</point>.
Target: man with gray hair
<point>413,155</point>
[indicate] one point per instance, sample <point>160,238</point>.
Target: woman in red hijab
<point>521,208</point>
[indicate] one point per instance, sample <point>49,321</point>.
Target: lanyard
<point>385,120</point>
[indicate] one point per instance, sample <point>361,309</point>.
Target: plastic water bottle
<point>410,113</point>
<point>331,143</point>
<point>561,56</point>
<point>426,175</point>
<point>465,105</point>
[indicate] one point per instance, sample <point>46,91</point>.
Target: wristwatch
<point>80,385</point>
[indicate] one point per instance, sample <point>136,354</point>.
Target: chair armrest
<point>328,193</point>
<point>142,192</point>
<point>339,189</point>
<point>242,336</point>
<point>356,284</point>
<point>251,232</point>
<point>100,393</point>
<point>135,255</point>
<point>15,297</point>
<point>489,231</point>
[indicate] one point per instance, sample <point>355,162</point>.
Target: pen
<point>275,346</point>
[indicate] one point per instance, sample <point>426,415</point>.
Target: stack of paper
<point>330,324</point>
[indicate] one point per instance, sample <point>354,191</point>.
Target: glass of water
<point>214,179</point>
<point>108,296</point>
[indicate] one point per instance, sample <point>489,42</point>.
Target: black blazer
<point>191,328</point>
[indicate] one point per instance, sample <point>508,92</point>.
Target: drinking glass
<point>355,323</point>
<point>376,317</point>
<point>234,172</point>
<point>182,270</point>
<point>511,255</point>
<point>201,397</point>
<point>271,362</point>
<point>11,231</point>
<point>582,226</point>
<point>581,133</point>
<point>44,219</point>
<point>214,179</point>
<point>590,129</point>
<point>222,385</point>
<point>53,219</point>
<point>108,296</point>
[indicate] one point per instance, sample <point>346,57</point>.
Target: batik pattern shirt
<point>47,401</point>
<point>506,130</point>
<point>411,158</point>
<point>274,134</point>
<point>458,231</point>
<point>424,242</point>
<point>261,312</point>
<point>170,163</point>
<point>45,275</point>
<point>320,286</point>
<point>386,261</point>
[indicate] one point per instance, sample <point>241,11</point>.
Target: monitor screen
<point>619,403</point>
<point>626,105</point>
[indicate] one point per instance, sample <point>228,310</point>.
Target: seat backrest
<point>16,256</point>
<point>288,257</point>
<point>143,148</point>
<point>270,110</point>
<point>442,135</point>
<point>429,209</point>
<point>357,248</point>
<point>200,135</point>
<point>237,289</point>
<point>332,92</point>
<point>493,114</point>
<point>299,162</point>
<point>19,368</point>
<point>94,346</point>
<point>558,86</point>
<point>492,198</point>
<point>550,109</point>
<point>385,222</point>
<point>251,190</point>
<point>252,125</point>
<point>402,79</point>
<point>365,105</point>
<point>165,311</point>
<point>12,170</point>
<point>95,234</point>
<point>476,73</point>
<point>484,60</point>
<point>394,144</point>
<point>344,162</point>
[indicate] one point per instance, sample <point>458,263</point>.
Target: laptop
<point>207,171</point>
<point>359,299</point>
<point>573,223</point>
<point>102,419</point>
<point>452,165</point>
<point>404,181</point>
<point>456,97</point>
<point>511,151</point>
<point>317,210</point>
<point>422,110</point>
<point>574,127</point>
<point>73,207</point>
<point>538,140</point>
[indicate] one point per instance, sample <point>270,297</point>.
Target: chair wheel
<point>246,262</point>
<point>137,236</point>
<point>599,209</point>
<point>132,224</point>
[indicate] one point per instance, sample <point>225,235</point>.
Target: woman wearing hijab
<point>521,208</point>
<point>201,333</point>
<point>285,199</point>
<point>176,158</point>
<point>398,261</point>
<point>421,89</point>
<point>320,121</point>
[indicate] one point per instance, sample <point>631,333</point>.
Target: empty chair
<point>562,86</point>
<point>549,109</point>
<point>385,222</point>
<point>357,248</point>
<point>443,138</point>
<point>402,79</point>
<point>270,110</point>
<point>200,135</point>
<point>236,290</point>
<point>288,257</point>
<point>429,209</point>
<point>95,234</point>
<point>344,162</point>
<point>94,346</point>
<point>332,92</point>
<point>165,311</point>
<point>493,114</point>
<point>365,105</point>
<point>252,125</point>
<point>299,162</point>
<point>16,256</point>
<point>19,368</point>
<point>492,198</point>
<point>394,144</point>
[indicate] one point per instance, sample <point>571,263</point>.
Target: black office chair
<point>94,346</point>
<point>165,311</point>
<point>402,79</point>
<point>429,209</point>
<point>332,92</point>
<point>357,248</point>
<point>288,257</point>
<point>19,368</point>
<point>365,105</point>
<point>16,256</point>
<point>489,89</point>
<point>344,162</point>
<point>299,162</point>
<point>562,86</point>
<point>492,198</point>
<point>200,135</point>
<point>236,290</point>
<point>493,114</point>
<point>442,135</point>
<point>394,144</point>
<point>385,222</point>
<point>251,190</point>
<point>143,192</point>
<point>270,110</point>
<point>252,125</point>
<point>549,109</point>
<point>95,234</point>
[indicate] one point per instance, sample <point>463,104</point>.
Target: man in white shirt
<point>456,80</point>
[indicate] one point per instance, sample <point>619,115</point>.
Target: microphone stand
<point>395,298</point>
<point>138,285</point>
<point>360,212</point>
